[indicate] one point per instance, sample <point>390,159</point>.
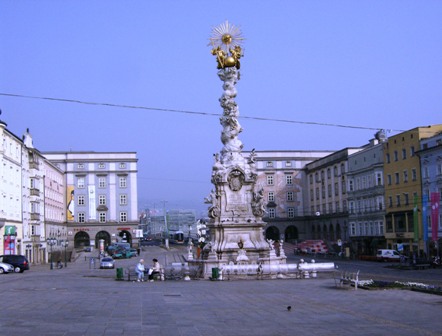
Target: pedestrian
<point>140,270</point>
<point>156,269</point>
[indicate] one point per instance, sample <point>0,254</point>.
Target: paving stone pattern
<point>77,301</point>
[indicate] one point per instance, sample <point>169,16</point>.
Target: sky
<point>364,64</point>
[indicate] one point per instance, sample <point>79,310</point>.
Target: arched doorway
<point>272,233</point>
<point>102,235</point>
<point>81,239</point>
<point>291,233</point>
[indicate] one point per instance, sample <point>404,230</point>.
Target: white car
<point>107,262</point>
<point>6,268</point>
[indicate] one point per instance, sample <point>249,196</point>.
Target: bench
<point>421,266</point>
<point>133,276</point>
<point>347,278</point>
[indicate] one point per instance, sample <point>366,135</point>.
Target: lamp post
<point>66,244</point>
<point>51,242</point>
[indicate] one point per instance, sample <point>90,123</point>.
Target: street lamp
<point>66,244</point>
<point>51,242</point>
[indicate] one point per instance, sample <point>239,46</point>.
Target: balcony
<point>35,216</point>
<point>35,192</point>
<point>33,165</point>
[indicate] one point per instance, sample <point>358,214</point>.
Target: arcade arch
<point>81,239</point>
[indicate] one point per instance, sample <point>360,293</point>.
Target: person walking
<point>140,270</point>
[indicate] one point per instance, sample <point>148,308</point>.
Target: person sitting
<point>140,270</point>
<point>156,269</point>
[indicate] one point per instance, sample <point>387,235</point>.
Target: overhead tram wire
<point>75,101</point>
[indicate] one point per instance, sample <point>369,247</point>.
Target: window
<point>101,182</point>
<point>329,190</point>
<point>123,182</point>
<point>404,154</point>
<point>80,182</point>
<point>288,163</point>
<point>328,173</point>
<point>289,179</point>
<point>271,213</point>
<point>102,199</point>
<point>426,172</point>
<point>412,151</point>
<point>123,217</point>
<point>335,171</point>
<point>378,179</point>
<point>80,166</point>
<point>350,185</point>
<point>80,199</point>
<point>337,206</point>
<point>405,176</point>
<point>35,208</point>
<point>396,178</point>
<point>269,164</point>
<point>413,174</point>
<point>102,217</point>
<point>101,165</point>
<point>395,156</point>
<point>406,199</point>
<point>398,200</point>
<point>311,195</point>
<point>269,179</point>
<point>271,196</point>
<point>388,157</point>
<point>342,169</point>
<point>123,199</point>
<point>317,193</point>
<point>290,197</point>
<point>336,188</point>
<point>311,179</point>
<point>81,217</point>
<point>32,183</point>
<point>291,212</point>
<point>390,201</point>
<point>122,165</point>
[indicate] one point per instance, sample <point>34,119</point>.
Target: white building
<point>11,222</point>
<point>101,189</point>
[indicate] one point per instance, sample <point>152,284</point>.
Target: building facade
<point>430,155</point>
<point>327,194</point>
<point>281,175</point>
<point>366,203</point>
<point>101,196</point>
<point>33,177</point>
<point>403,189</point>
<point>11,218</point>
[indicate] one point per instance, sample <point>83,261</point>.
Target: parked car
<point>6,268</point>
<point>19,262</point>
<point>133,252</point>
<point>107,262</point>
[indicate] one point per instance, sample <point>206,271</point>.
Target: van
<point>19,262</point>
<point>388,255</point>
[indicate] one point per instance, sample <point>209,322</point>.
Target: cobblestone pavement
<point>78,300</point>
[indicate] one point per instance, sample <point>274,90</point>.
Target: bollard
<point>215,273</point>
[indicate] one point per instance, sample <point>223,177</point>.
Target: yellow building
<point>403,189</point>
